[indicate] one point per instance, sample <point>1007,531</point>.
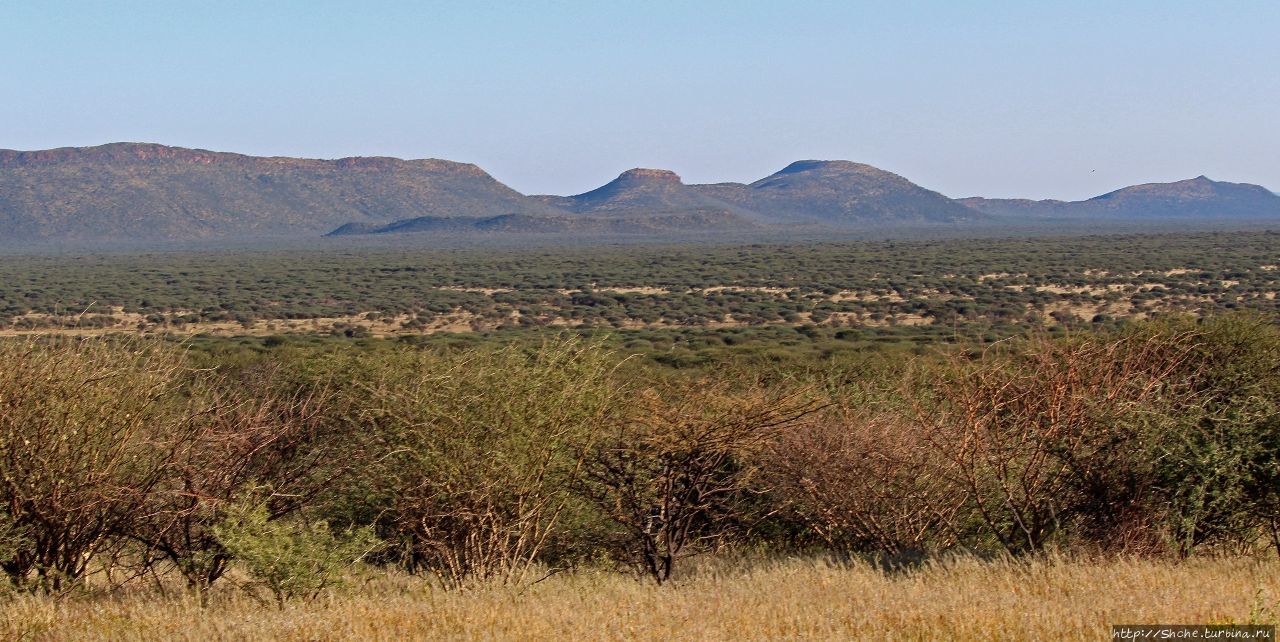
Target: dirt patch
<point>734,288</point>
<point>485,291</point>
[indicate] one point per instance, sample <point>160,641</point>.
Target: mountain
<point>811,191</point>
<point>1197,198</point>
<point>139,191</point>
<point>650,223</point>
<point>840,193</point>
<point>1019,208</point>
<point>637,191</point>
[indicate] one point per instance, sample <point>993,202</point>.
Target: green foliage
<point>1218,465</point>
<point>481,456</point>
<point>291,558</point>
<point>480,448</point>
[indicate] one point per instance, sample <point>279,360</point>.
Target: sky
<point>1001,99</point>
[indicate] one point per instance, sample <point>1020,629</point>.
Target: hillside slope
<point>841,193</point>
<point>143,191</point>
<point>1197,198</point>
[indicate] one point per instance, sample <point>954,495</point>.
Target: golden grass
<point>796,599</point>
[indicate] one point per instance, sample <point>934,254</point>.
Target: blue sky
<point>1029,99</point>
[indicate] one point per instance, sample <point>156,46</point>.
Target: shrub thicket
<point>492,461</point>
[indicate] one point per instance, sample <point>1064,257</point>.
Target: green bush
<point>479,448</point>
<point>292,558</point>
<point>1217,465</point>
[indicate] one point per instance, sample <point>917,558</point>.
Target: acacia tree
<point>1217,467</point>
<point>682,467</point>
<point>258,432</point>
<point>1047,432</point>
<point>480,450</point>
<point>866,481</point>
<point>89,432</point>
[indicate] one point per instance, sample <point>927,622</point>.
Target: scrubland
<point>1039,487</point>
<point>857,289</point>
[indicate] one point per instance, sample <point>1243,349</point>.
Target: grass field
<point>1051,599</point>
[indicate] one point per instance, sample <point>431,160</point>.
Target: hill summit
<point>843,193</point>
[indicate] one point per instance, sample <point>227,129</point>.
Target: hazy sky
<point>1036,99</point>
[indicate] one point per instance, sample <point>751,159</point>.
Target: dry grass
<point>964,600</point>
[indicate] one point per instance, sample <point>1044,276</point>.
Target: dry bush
<point>1042,434</point>
<point>254,432</point>
<point>116,455</point>
<point>867,482</point>
<point>684,465</point>
<point>89,433</point>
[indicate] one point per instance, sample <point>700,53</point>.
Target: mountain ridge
<point>1192,198</point>
<point>149,191</point>
<point>123,152</point>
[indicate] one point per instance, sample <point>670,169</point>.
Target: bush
<point>481,448</point>
<point>486,456</point>
<point>865,481</point>
<point>1043,436</point>
<point>89,431</point>
<point>259,428</point>
<point>1217,466</point>
<point>13,538</point>
<point>680,469</point>
<point>291,558</point>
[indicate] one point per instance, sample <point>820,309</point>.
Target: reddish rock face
<point>146,152</point>
<point>642,174</point>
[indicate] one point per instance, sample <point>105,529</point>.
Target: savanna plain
<point>996,439</point>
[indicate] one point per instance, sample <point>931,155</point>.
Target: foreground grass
<point>962,600</point>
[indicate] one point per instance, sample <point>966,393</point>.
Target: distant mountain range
<point>1197,198</point>
<point>140,192</point>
